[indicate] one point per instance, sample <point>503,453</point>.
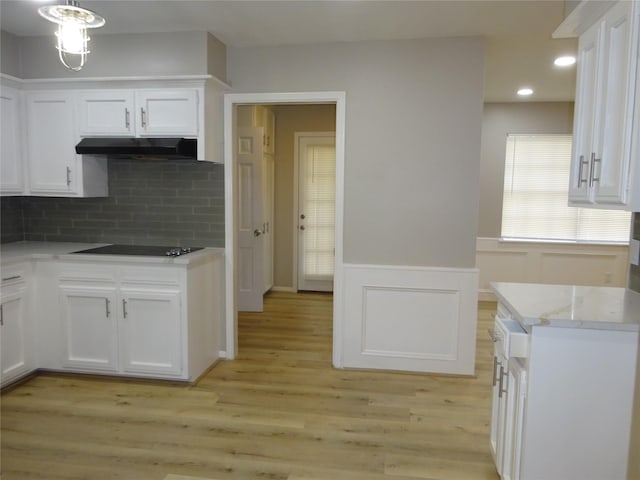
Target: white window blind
<point>319,208</point>
<point>536,182</point>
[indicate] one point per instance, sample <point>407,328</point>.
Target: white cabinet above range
<point>138,113</point>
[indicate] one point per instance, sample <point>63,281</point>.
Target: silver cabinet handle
<point>68,176</point>
<point>583,162</point>
<point>124,308</point>
<point>127,119</point>
<point>1,315</point>
<point>593,177</point>
<point>502,375</point>
<point>8,279</point>
<point>495,370</point>
<point>493,335</point>
<point>106,305</point>
<point>143,118</point>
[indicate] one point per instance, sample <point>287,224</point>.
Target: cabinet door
<point>167,112</point>
<point>151,332</point>
<point>514,420</point>
<point>14,334</point>
<point>584,115</point>
<point>91,328</point>
<point>106,113</point>
<point>612,140</point>
<point>499,410</point>
<point>51,141</point>
<point>495,409</point>
<point>11,161</point>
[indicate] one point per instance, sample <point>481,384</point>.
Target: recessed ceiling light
<point>564,61</point>
<point>525,91</point>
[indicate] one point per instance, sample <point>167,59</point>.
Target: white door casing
<point>268,205</point>
<point>250,219</point>
<point>307,214</point>
<point>231,207</point>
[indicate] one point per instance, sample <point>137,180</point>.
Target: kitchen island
<point>564,378</point>
<point>124,315</point>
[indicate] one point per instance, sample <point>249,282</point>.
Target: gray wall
<point>148,54</point>
<point>413,120</point>
<point>9,54</point>
<point>150,203</point>
<point>498,120</point>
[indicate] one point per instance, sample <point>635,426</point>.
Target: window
<point>536,181</point>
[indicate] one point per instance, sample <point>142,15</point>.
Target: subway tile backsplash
<point>150,202</point>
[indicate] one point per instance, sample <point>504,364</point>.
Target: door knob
<point>257,233</point>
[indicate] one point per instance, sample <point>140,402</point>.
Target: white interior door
<point>316,211</point>
<point>250,219</point>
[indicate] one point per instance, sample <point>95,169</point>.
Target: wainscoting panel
<point>534,262</point>
<point>410,318</point>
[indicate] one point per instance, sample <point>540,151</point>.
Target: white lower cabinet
<point>122,328</point>
<point>127,318</point>
<point>16,336</point>
<point>90,327</point>
<point>562,401</point>
<point>151,333</point>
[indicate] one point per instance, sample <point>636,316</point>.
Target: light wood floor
<point>277,412</point>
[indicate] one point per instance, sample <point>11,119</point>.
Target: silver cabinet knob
<point>257,233</point>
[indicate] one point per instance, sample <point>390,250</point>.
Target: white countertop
<point>21,251</point>
<point>570,306</point>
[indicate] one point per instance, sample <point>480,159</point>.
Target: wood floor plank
<point>279,411</point>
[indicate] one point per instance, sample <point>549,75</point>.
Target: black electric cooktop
<point>144,250</point>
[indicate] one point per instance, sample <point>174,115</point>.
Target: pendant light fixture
<point>73,22</point>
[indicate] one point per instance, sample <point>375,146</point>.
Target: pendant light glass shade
<point>73,22</point>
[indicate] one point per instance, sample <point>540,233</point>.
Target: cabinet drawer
<point>14,274</point>
<point>87,272</point>
<point>158,276</point>
<point>512,339</point>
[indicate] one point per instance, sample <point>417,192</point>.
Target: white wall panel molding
<point>420,319</point>
<point>539,262</point>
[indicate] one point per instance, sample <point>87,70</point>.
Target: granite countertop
<point>571,306</point>
<point>22,251</point>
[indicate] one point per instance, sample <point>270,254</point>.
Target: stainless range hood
<point>143,148</point>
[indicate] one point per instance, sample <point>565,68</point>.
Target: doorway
<point>232,192</point>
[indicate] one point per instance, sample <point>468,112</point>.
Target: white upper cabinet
<point>607,77</point>
<point>106,112</point>
<point>167,112</point>
<point>51,142</point>
<point>159,112</point>
<point>54,167</point>
<point>11,160</point>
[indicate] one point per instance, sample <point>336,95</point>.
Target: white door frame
<point>231,212</point>
<point>296,193</point>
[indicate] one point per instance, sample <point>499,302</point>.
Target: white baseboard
<point>420,319</point>
<point>284,289</point>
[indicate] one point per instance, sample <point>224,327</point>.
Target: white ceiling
<point>518,32</point>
